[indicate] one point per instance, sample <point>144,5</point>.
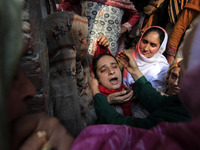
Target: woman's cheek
<point>141,45</point>
<point>154,50</point>
<point>102,76</point>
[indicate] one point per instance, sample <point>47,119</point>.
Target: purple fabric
<point>190,93</point>
<point>107,137</point>
<point>174,136</point>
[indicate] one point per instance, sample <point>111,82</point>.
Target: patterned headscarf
<point>173,65</point>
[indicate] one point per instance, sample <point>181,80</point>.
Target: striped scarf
<point>175,8</point>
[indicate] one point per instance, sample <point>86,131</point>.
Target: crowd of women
<point>143,99</point>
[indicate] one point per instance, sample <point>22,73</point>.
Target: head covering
<point>105,91</point>
<point>11,50</point>
<point>11,43</point>
<point>173,65</point>
<point>154,68</point>
<point>99,50</point>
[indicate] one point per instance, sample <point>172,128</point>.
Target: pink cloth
<point>124,4</point>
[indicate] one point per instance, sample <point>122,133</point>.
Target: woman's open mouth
<point>114,81</point>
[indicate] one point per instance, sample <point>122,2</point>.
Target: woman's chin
<point>115,87</point>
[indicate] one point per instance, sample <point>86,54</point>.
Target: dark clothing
<point>161,108</point>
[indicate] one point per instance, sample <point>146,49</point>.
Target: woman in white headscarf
<point>149,55</point>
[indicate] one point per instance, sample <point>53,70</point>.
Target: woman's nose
<point>111,71</point>
<point>176,82</point>
<point>146,48</point>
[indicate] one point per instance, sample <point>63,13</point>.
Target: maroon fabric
<point>66,5</point>
<point>99,50</point>
<point>126,106</point>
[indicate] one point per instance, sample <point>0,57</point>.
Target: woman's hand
<point>103,40</point>
<point>94,84</point>
<point>170,59</point>
<point>130,64</point>
<point>127,61</point>
<point>38,131</point>
<point>123,30</point>
<point>120,97</point>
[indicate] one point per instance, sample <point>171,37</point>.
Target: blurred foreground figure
<point>20,130</point>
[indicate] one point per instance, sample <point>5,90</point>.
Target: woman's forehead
<point>152,37</point>
<point>155,33</point>
<point>106,59</point>
<point>175,70</point>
